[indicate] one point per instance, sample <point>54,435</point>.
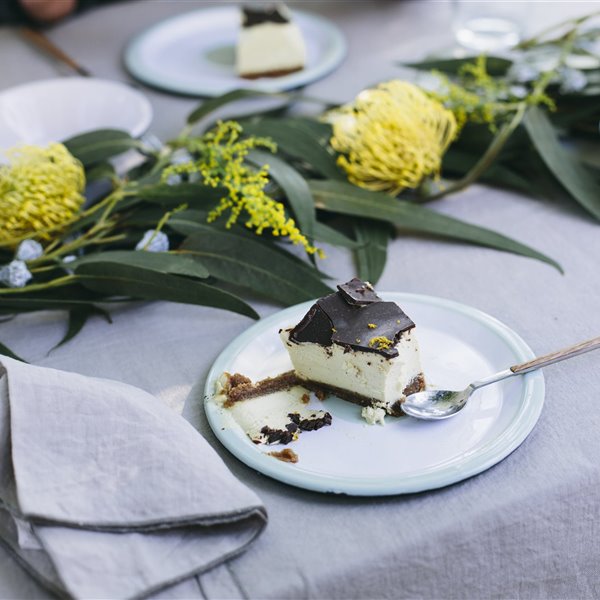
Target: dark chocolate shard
<point>370,326</point>
<point>315,327</point>
<point>256,15</point>
<point>358,293</point>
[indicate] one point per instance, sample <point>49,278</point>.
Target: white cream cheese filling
<point>367,374</point>
<point>270,47</point>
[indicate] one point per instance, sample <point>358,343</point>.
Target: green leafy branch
<point>91,261</point>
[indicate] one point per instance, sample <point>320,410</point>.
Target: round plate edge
<point>489,456</point>
<point>146,106</point>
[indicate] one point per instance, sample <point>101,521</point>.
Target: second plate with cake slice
<point>194,53</point>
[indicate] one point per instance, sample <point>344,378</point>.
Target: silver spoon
<point>441,404</point>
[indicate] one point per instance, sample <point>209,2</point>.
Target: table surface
<point>530,526</point>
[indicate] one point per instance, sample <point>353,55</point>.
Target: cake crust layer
<point>273,73</point>
<point>416,385</point>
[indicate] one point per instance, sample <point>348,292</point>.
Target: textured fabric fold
<point>105,492</point>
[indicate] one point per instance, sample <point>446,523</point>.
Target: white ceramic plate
<point>459,344</point>
<point>194,53</point>
<point>53,110</point>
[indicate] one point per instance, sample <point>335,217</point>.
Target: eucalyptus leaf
<point>460,163</point>
<point>161,262</point>
<point>95,191</point>
<point>371,256</point>
<point>495,65</point>
<point>78,317</point>
<point>275,110</point>
<point>194,194</point>
<point>299,141</point>
<point>100,145</point>
<point>190,222</point>
<point>211,105</point>
<point>250,264</point>
<point>295,188</point>
<point>6,351</point>
<point>187,226</point>
<point>571,111</point>
<point>329,235</point>
<point>102,170</point>
<point>30,304</point>
<point>319,129</point>
<point>143,217</point>
<point>564,166</point>
<point>136,282</point>
<point>347,199</point>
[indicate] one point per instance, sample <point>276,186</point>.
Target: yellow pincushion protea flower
<point>40,192</point>
<point>391,136</point>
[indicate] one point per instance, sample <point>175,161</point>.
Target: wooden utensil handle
<point>43,43</point>
<point>557,356</point>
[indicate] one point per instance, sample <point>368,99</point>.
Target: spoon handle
<point>557,356</point>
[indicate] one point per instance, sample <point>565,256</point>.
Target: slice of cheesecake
<point>358,347</point>
<point>270,44</point>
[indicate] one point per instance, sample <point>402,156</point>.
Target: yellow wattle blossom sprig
<point>391,137</point>
<point>220,162</point>
<point>478,97</point>
<point>40,190</point>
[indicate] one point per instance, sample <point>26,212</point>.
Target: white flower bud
<point>523,72</point>
<point>15,274</point>
<point>29,250</point>
<point>159,243</point>
<point>572,80</point>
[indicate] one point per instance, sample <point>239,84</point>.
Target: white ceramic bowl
<point>53,110</point>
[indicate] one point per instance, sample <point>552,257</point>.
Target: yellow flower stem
<point>164,158</point>
<point>507,130</point>
<point>36,287</point>
<point>43,269</point>
<point>486,160</point>
<point>53,244</point>
<point>577,21</point>
<point>102,220</point>
<point>85,240</point>
<point>93,236</point>
<point>106,240</point>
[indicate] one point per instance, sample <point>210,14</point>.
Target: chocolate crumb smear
<point>281,436</point>
<point>253,15</point>
<point>312,423</point>
<point>343,318</point>
<point>285,455</point>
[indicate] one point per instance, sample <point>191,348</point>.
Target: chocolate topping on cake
<point>358,293</point>
<point>253,15</point>
<point>354,317</point>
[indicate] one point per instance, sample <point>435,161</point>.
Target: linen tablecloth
<point>528,527</point>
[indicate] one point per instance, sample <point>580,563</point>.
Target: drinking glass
<point>489,26</point>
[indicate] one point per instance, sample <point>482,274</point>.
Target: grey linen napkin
<point>107,493</point>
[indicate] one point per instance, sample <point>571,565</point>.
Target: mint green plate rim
<point>481,459</point>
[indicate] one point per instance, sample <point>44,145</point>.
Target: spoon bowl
<point>435,404</point>
<point>442,404</point>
